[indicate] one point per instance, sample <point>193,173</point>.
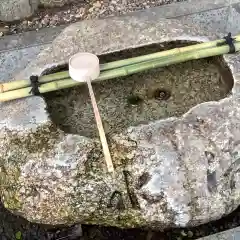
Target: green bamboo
<point>119,72</point>
<point>9,86</point>
<point>157,55</point>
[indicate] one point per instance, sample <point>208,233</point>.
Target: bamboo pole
<point>157,55</point>
<point>9,86</point>
<point>119,72</point>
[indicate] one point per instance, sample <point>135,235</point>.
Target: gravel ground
<point>77,11</point>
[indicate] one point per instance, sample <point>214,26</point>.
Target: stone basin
<point>176,159</point>
<point>136,99</point>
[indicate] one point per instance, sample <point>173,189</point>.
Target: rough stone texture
<point>11,10</point>
<point>16,51</point>
<point>15,61</point>
<point>233,19</point>
<point>175,172</point>
<point>192,165</point>
<point>213,19</point>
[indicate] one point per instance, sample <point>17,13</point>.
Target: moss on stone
<point>12,202</point>
<point>44,138</point>
<point>122,219</point>
<point>14,153</point>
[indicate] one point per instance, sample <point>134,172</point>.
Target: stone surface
<point>232,234</point>
<point>212,19</point>
<point>204,140</point>
<point>17,51</point>
<point>52,177</point>
<point>189,7</point>
<point>29,39</point>
<point>11,10</point>
<point>234,19</point>
<point>14,61</point>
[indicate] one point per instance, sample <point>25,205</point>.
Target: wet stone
<point>139,98</point>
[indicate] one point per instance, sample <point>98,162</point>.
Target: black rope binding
<point>35,86</point>
<point>230,42</point>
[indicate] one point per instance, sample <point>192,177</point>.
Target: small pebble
<point>25,22</point>
<point>45,21</point>
<point>53,22</point>
<point>111,8</point>
<point>183,233</point>
<point>90,10</point>
<point>78,15</point>
<point>97,4</point>
<point>190,234</point>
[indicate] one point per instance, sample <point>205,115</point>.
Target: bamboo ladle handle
<point>84,67</point>
<point>101,131</point>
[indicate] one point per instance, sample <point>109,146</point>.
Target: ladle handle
<point>102,135</point>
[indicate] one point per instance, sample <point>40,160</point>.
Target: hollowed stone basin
<point>136,99</point>
<point>173,133</point>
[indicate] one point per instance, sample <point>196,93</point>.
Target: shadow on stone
<point>11,224</point>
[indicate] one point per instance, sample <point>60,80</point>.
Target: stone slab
<point>233,21</point>
<point>190,7</point>
<point>16,51</point>
<point>12,10</point>
<point>14,61</point>
<point>216,19</point>
<point>232,234</point>
<point>29,39</point>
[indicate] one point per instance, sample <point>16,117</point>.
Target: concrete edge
<point>189,7</point>
<point>174,10</point>
<point>29,39</point>
<point>231,234</point>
